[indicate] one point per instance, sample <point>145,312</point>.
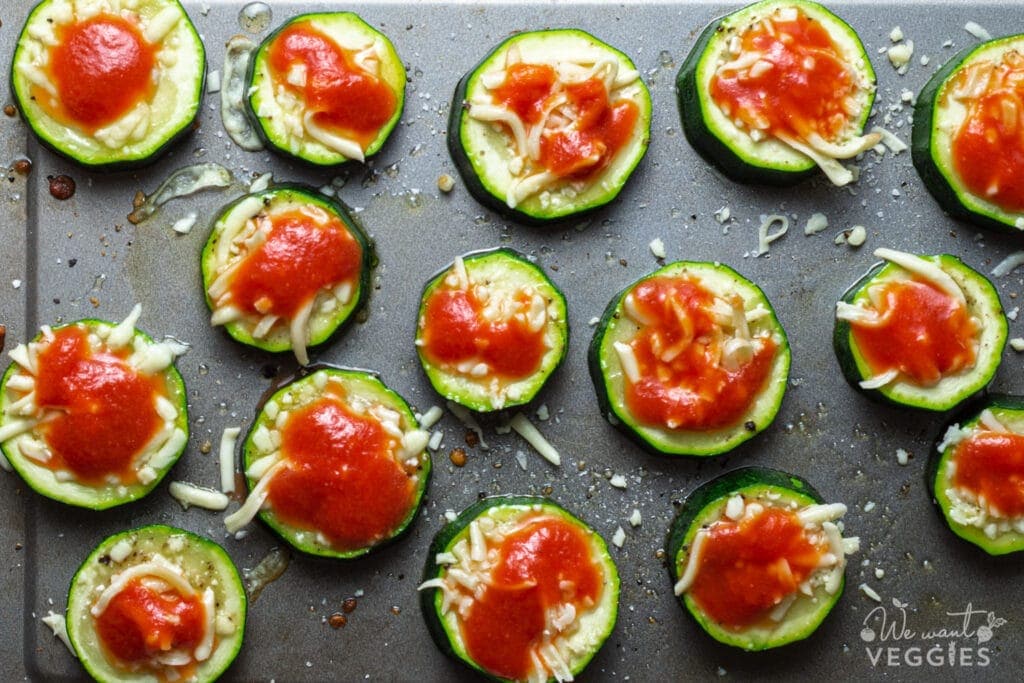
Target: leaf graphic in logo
<point>867,635</point>
<point>899,605</point>
<point>984,634</point>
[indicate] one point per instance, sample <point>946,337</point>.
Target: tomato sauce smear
<point>988,149</point>
<point>925,333</point>
<point>298,259</point>
<point>455,331</point>
<point>102,68</point>
<point>141,623</point>
<point>105,410</point>
<point>800,85</point>
<point>341,478</point>
<point>343,96</point>
<point>601,127</point>
<point>545,563</point>
<point>692,390</point>
<point>748,567</point>
<point>991,465</point>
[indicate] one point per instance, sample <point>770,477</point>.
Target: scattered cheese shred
<point>59,626</point>
<point>525,429</point>
<point>1009,264</point>
<point>189,494</point>
<point>764,238</point>
<point>228,440</point>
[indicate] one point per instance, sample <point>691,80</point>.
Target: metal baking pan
<point>80,258</point>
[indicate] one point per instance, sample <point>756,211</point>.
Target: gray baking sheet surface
<point>78,258</point>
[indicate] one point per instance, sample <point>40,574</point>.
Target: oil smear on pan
<point>269,569</point>
<point>183,182</point>
<point>237,56</point>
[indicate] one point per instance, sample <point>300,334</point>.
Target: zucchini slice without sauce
<point>492,328</point>
<point>93,413</point>
<point>189,591</point>
<point>518,588</point>
<point>109,84</point>
<point>326,88</point>
<point>948,345</point>
<point>966,141</point>
<point>550,124</point>
<point>738,530</point>
<point>690,360</point>
<point>774,89</point>
<point>336,464</point>
<point>973,474</point>
<point>284,269</point>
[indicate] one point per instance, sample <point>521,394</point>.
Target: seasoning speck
<point>22,167</point>
<point>445,183</point>
<point>337,620</point>
<point>10,110</point>
<point>205,447</point>
<point>458,457</point>
<point>62,186</point>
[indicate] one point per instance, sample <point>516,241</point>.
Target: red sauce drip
<point>601,130</point>
<point>991,464</point>
<point>341,478</point>
<point>102,67</point>
<point>298,259</point>
<point>925,334</point>
<point>792,99</point>
<point>107,410</point>
<point>507,622</point>
<point>455,331</point>
<point>692,391</point>
<point>141,623</point>
<point>748,567</point>
<point>344,97</point>
<point>988,150</point>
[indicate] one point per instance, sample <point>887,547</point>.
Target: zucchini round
<point>304,243</point>
<point>840,83</point>
<point>541,537</point>
<point>623,330</point>
<point>731,501</point>
<point>998,428</point>
<point>982,307</point>
<point>514,338</point>
<point>162,563</point>
<point>336,464</point>
<point>141,93</point>
<point>527,169</point>
<point>951,113</point>
<point>343,110</point>
<point>92,443</point>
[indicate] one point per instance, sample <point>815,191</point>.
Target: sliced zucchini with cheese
<point>326,88</point>
<point>492,328</point>
<point>690,360</point>
<point>966,141</point>
<point>550,124</point>
<point>975,471</point>
<point>519,589</point>
<point>757,557</point>
<point>776,89</point>
<point>920,331</point>
<point>109,84</point>
<point>336,464</point>
<point>284,269</point>
<point>156,604</point>
<point>93,413</point>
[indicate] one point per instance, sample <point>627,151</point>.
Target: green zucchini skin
<point>981,297</point>
<point>323,326</point>
<point>206,559</point>
<point>450,533</point>
<point>713,143</point>
<point>83,149</point>
<point>1008,409</point>
<point>931,161</point>
<point>309,151</point>
<point>463,151</point>
<point>41,480</point>
<point>604,366</point>
<point>704,505</point>
<point>364,383</point>
<point>506,264</point>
